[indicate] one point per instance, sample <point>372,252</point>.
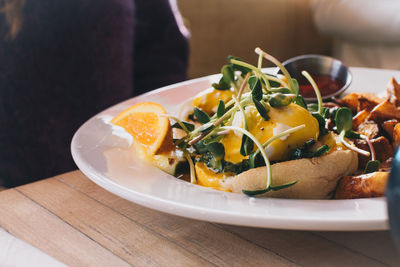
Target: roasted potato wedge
<point>362,186</point>
<point>396,135</point>
<point>388,127</point>
<point>368,128</point>
<point>365,103</point>
<point>360,118</point>
<point>394,92</point>
<point>383,150</point>
<point>368,101</point>
<point>384,111</point>
<point>350,100</point>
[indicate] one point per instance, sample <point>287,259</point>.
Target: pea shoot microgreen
<point>217,151</point>
<point>193,179</point>
<point>278,100</point>
<point>221,85</point>
<point>344,124</point>
<point>238,67</point>
<point>372,166</point>
<point>220,109</point>
<point>271,187</point>
<point>296,87</point>
<point>282,90</point>
<point>279,64</point>
<point>344,120</point>
<point>261,108</point>
<point>299,100</point>
<point>186,126</point>
<point>201,115</point>
<point>256,87</point>
<point>316,90</point>
<point>321,124</point>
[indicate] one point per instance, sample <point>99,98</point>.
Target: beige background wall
<point>219,28</point>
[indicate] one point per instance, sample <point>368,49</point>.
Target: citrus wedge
<point>147,127</point>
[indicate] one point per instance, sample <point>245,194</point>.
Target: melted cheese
<point>291,116</point>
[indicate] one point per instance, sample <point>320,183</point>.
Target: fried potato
<point>362,186</point>
<point>360,101</point>
<point>393,89</point>
<point>359,118</point>
<point>382,147</point>
<point>350,100</point>
<point>383,150</point>
<point>388,127</point>
<point>365,103</point>
<point>396,135</point>
<point>384,111</point>
<point>368,128</point>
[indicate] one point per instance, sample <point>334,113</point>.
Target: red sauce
<point>326,84</point>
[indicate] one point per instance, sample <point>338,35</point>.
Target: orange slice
<point>147,128</point>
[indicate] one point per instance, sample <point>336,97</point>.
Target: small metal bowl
<point>319,65</point>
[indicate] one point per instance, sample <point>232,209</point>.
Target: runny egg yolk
<point>208,100</point>
<point>281,119</point>
<point>208,178</point>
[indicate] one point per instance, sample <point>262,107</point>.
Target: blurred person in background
<point>366,33</point>
<point>63,61</point>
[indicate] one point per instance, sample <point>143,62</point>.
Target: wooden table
<point>78,223</point>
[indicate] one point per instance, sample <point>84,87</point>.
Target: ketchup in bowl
<point>326,84</point>
<point>330,74</point>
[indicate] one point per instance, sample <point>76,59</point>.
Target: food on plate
<point>361,186</point>
<point>377,118</point>
<point>253,133</point>
<point>152,135</point>
<point>314,183</point>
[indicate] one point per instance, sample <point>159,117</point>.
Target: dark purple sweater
<point>70,60</point>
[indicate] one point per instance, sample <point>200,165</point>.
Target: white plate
<point>106,159</point>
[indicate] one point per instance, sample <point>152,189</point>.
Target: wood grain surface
<point>77,222</point>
